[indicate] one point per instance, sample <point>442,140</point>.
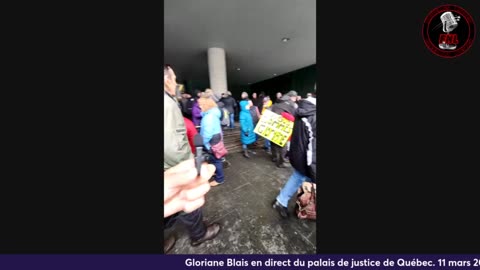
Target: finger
<point>182,166</point>
<point>207,171</point>
<point>174,183</point>
<point>194,205</point>
<point>181,199</point>
<point>175,205</point>
<point>179,178</point>
<point>196,192</point>
<point>169,193</point>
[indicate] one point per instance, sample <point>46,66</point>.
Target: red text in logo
<point>450,39</point>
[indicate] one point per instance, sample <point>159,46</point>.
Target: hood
<point>242,105</point>
<point>312,100</point>
<point>306,108</point>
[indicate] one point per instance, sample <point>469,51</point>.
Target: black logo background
<point>433,28</point>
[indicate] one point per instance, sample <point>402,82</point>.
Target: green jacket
<point>175,141</point>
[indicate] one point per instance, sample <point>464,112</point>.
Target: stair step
<point>237,147</point>
<point>232,141</point>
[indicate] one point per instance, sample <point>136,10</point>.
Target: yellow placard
<point>181,88</point>
<point>274,128</point>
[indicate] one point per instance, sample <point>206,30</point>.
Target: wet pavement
<point>243,206</point>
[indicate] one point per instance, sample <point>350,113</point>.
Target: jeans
<point>232,120</point>
<point>267,144</point>
<point>293,184</point>
<point>218,163</point>
<point>193,221</point>
<point>245,146</point>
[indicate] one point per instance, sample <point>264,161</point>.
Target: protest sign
<point>274,128</point>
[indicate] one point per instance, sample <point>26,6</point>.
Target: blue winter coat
<point>210,125</point>
<point>246,124</point>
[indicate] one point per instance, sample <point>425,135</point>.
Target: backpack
<point>255,114</point>
<point>307,201</point>
<point>225,117</point>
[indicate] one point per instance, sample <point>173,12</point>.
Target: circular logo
<point>448,31</point>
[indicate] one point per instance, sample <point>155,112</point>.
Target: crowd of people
<point>206,114</point>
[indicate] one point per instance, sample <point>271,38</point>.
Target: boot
<point>245,153</point>
<point>252,152</point>
<point>283,211</point>
<point>212,232</point>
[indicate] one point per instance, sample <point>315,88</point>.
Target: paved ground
<point>243,206</point>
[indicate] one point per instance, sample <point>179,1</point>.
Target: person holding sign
<point>302,153</point>
<point>247,135</point>
<point>285,105</point>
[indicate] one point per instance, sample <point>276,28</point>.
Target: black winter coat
<point>229,103</point>
<point>303,144</point>
<point>283,106</point>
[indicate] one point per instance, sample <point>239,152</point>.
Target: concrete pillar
<point>217,69</point>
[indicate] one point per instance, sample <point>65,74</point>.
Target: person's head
<point>279,95</point>
<point>206,103</point>
<point>309,95</point>
<point>292,95</point>
<point>169,80</point>
<point>244,95</point>
<point>229,94</point>
<point>197,93</point>
<point>266,99</point>
<point>299,98</point>
<point>262,94</point>
<point>209,93</point>
<point>254,95</point>
<point>186,95</point>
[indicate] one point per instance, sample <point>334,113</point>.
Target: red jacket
<point>191,132</point>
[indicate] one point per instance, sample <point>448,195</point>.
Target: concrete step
<point>234,147</point>
<point>237,139</point>
<point>231,139</point>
